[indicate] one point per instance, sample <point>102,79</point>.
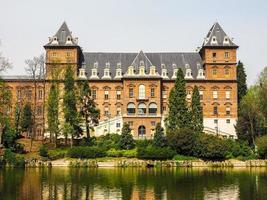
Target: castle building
<point>134,87</point>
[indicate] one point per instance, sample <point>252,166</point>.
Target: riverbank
<point>121,162</point>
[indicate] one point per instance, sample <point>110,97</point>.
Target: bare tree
<point>4,62</point>
<point>36,70</point>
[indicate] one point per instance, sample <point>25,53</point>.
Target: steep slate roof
<point>62,36</point>
<point>133,59</point>
<point>217,32</point>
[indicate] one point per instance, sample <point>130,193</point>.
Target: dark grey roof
<point>63,37</point>
<point>217,32</point>
<point>133,59</point>
<point>18,77</point>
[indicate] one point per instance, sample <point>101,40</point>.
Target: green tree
<point>88,109</point>
<point>53,112</point>
<point>196,110</point>
<point>17,118</point>
<point>261,143</point>
<point>126,140</point>
<point>159,137</point>
<point>263,94</point>
<point>5,105</point>
<point>27,121</point>
<point>241,81</point>
<point>70,103</point>
<point>179,116</point>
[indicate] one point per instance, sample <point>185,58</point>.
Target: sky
<point>133,25</point>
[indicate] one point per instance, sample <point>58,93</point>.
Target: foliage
<point>182,140</point>
<point>13,160</point>
<point>261,143</point>
<point>263,94</point>
<point>53,112</point>
<point>88,109</point>
<point>159,137</point>
<point>109,141</point>
<point>196,110</point>
<point>239,149</point>
<point>179,115</point>
<point>183,157</point>
<point>132,153</point>
<point>57,153</point>
<point>241,81</point>
<point>86,152</point>
<point>155,153</point>
<point>143,143</point>
<point>70,104</point>
<point>43,151</point>
<point>27,120</point>
<point>210,147</point>
<point>126,140</point>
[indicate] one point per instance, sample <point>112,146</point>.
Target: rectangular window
<point>130,92</point>
<point>152,92</point>
<point>228,121</point>
<point>164,94</point>
<point>188,94</point>
<point>118,95</point>
<point>68,54</point>
<point>201,95</point>
<point>118,111</point>
<point>106,113</point>
<point>164,108</point>
<point>153,123</point>
<point>226,55</point>
<point>19,95</point>
<point>215,121</point>
<point>29,95</point>
<point>228,110</point>
<point>130,123</point>
<point>215,94</point>
<point>227,94</point>
<point>106,95</point>
<point>118,125</point>
<point>39,110</point>
<point>215,110</point>
<point>214,55</point>
<point>40,94</point>
<point>54,54</point>
<point>94,94</point>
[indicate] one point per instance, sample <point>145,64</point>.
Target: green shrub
<point>182,140</point>
<point>143,143</point>
<point>126,139</point>
<point>132,153</point>
<point>155,153</point>
<point>261,144</point>
<point>12,159</point>
<point>182,157</point>
<point>57,153</point>
<point>86,152</point>
<point>239,149</point>
<point>114,153</point>
<point>108,141</point>
<point>43,151</point>
<point>210,147</point>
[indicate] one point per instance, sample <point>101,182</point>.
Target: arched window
<point>152,109</point>
<point>142,92</point>
<point>131,109</point>
<point>214,71</point>
<point>141,109</point>
<point>227,71</point>
<point>142,131</point>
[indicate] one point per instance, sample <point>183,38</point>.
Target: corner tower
<point>219,55</point>
<point>62,50</point>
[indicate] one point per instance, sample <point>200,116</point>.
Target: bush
<point>155,153</point>
<point>182,157</point>
<point>182,140</point>
<point>43,151</point>
<point>239,149</point>
<point>108,141</point>
<point>210,147</point>
<point>143,143</point>
<point>86,152</point>
<point>57,153</point>
<point>261,144</point>
<point>126,140</point>
<point>12,159</point>
<point>132,153</point>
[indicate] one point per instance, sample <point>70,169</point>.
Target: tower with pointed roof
<point>62,50</point>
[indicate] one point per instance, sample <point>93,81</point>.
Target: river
<point>133,183</point>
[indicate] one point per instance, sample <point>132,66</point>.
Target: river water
<point>133,183</point>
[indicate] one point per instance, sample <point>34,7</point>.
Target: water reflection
<point>133,183</point>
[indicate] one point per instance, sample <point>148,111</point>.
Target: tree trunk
<point>87,129</point>
<point>1,134</point>
<point>252,131</point>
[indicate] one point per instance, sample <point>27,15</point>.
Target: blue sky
<point>133,25</point>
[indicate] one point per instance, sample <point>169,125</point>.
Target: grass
<point>182,157</point>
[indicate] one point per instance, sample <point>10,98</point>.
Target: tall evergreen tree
<point>241,81</point>
<point>27,120</point>
<point>160,139</point>
<point>126,140</point>
<point>179,116</point>
<point>88,109</point>
<point>70,103</point>
<point>196,110</point>
<point>53,112</point>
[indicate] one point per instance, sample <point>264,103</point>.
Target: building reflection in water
<point>132,183</point>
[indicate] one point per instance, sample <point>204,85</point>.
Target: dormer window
<point>69,41</point>
<point>82,73</point>
<point>152,71</point>
<point>55,41</point>
<point>188,72</point>
<point>142,63</point>
<point>130,71</point>
<point>214,40</point>
<point>107,71</point>
<point>164,73</point>
<point>175,70</point>
<point>142,70</point>
<point>94,73</point>
<point>226,40</point>
<point>96,65</point>
<point>118,71</point>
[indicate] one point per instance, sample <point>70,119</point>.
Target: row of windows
<point>226,54</point>
<point>214,94</point>
<point>28,94</point>
<point>54,54</point>
<point>216,112</point>
<point>226,71</point>
<point>142,109</point>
